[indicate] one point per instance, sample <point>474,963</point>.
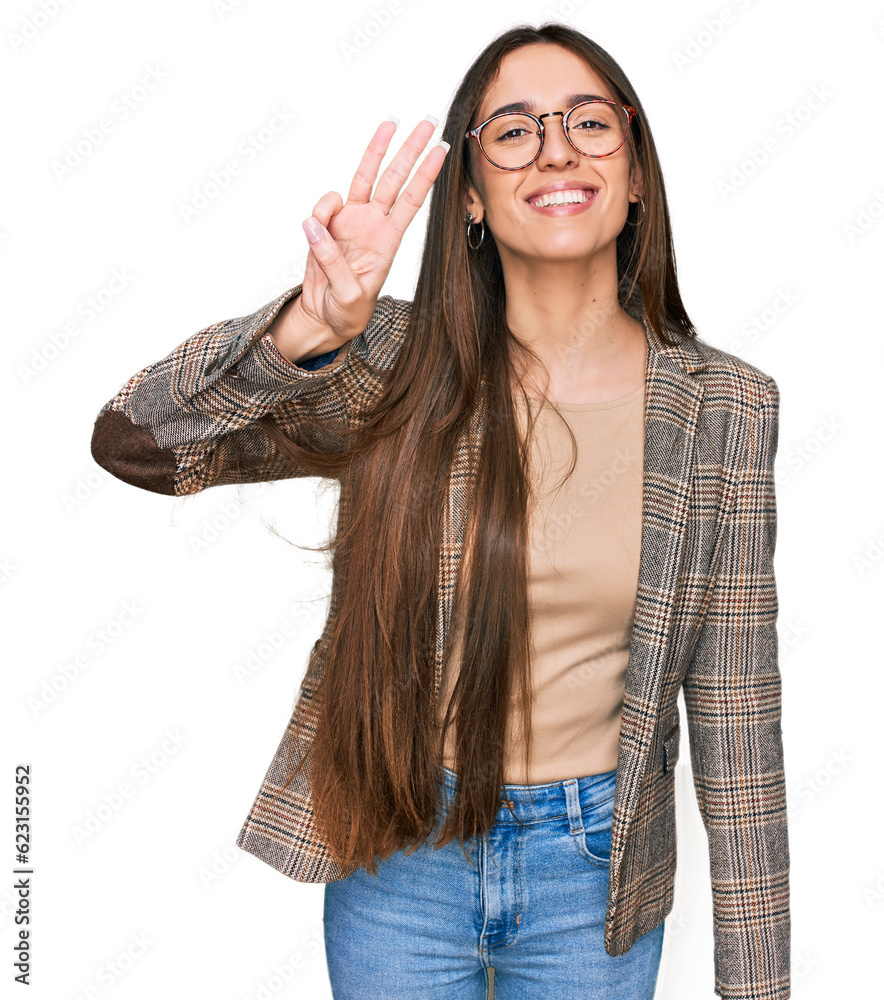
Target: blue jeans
<point>522,919</point>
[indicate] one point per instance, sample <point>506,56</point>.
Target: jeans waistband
<point>538,803</point>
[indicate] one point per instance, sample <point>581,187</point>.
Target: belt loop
<point>572,798</point>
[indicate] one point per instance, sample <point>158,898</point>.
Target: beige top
<point>582,585</point>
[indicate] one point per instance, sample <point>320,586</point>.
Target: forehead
<point>543,76</point>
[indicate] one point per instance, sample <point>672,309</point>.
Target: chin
<point>566,250</point>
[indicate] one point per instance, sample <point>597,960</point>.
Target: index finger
<point>367,171</point>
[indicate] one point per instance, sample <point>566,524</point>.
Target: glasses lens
<point>597,129</point>
<point>510,141</point>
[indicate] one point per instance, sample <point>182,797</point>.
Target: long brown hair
<point>374,746</point>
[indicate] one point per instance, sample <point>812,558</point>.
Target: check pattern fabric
<point>705,617</point>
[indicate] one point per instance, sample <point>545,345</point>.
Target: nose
<point>556,148</point>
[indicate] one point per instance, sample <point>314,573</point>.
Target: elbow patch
<point>131,453</point>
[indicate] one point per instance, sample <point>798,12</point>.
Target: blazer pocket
<point>670,747</point>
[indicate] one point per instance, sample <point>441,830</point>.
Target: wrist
<point>297,337</point>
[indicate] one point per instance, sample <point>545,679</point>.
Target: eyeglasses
<point>513,141</point>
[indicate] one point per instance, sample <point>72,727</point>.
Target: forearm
<point>175,426</point>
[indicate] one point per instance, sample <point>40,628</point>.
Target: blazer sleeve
<point>732,695</point>
<point>186,423</point>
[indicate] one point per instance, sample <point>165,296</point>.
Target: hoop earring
<point>641,218</point>
<point>470,233</point>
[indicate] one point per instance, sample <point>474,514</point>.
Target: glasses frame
<point>474,133</point>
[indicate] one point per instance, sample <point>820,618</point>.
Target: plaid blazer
<point>705,615</point>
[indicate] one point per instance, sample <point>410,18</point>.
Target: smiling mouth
<point>572,196</point>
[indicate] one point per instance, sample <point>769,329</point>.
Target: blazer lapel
<point>672,406</point>
<point>454,521</point>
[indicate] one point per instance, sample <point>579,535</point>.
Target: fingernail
<point>432,119</point>
<point>446,145</point>
<point>312,229</point>
<point>394,120</point>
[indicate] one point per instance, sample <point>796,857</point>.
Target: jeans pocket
<point>593,842</point>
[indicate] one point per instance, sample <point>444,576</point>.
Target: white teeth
<point>570,197</point>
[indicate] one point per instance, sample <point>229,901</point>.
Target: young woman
<point>556,512</point>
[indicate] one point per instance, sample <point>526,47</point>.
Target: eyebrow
<point>570,101</point>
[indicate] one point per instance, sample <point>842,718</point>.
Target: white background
<point>154,899</point>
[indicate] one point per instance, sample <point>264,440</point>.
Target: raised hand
<point>352,244</point>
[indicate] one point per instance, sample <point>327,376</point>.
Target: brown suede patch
<point>131,453</point>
